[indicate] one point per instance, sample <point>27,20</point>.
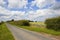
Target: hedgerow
<point>22,23</point>
<point>53,23</point>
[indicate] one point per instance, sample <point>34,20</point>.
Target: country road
<point>22,34</point>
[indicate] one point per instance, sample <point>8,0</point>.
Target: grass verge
<point>5,34</point>
<point>38,29</point>
<point>41,30</point>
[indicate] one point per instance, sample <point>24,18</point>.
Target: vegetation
<point>12,20</point>
<point>53,23</point>
<point>5,33</point>
<point>38,29</point>
<point>1,22</point>
<point>22,23</point>
<point>40,24</point>
<point>42,30</point>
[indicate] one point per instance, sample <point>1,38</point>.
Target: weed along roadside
<point>33,27</point>
<point>5,34</point>
<point>37,29</point>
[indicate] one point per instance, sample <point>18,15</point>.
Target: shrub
<point>12,20</point>
<point>1,22</point>
<point>22,23</point>
<point>53,23</point>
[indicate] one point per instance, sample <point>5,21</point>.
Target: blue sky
<point>37,10</point>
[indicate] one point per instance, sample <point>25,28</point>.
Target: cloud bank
<point>37,10</point>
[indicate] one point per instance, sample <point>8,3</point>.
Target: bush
<point>53,23</point>
<point>12,20</point>
<point>22,23</point>
<point>1,23</point>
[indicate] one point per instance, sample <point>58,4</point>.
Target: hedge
<point>53,23</point>
<point>1,22</point>
<point>22,23</point>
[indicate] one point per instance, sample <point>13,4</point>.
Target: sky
<point>36,10</point>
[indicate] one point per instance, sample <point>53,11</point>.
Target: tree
<point>12,20</point>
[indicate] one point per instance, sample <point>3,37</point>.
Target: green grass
<point>5,34</point>
<point>39,29</point>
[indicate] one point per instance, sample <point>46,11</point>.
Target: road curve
<point>22,34</point>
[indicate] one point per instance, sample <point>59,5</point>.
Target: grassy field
<point>38,24</point>
<point>39,29</point>
<point>5,34</point>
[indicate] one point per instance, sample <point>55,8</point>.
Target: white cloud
<point>3,10</point>
<point>34,14</point>
<point>45,3</point>
<point>17,3</point>
<point>2,2</point>
<point>40,13</point>
<point>56,6</point>
<point>42,3</point>
<point>29,15</point>
<point>7,13</point>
